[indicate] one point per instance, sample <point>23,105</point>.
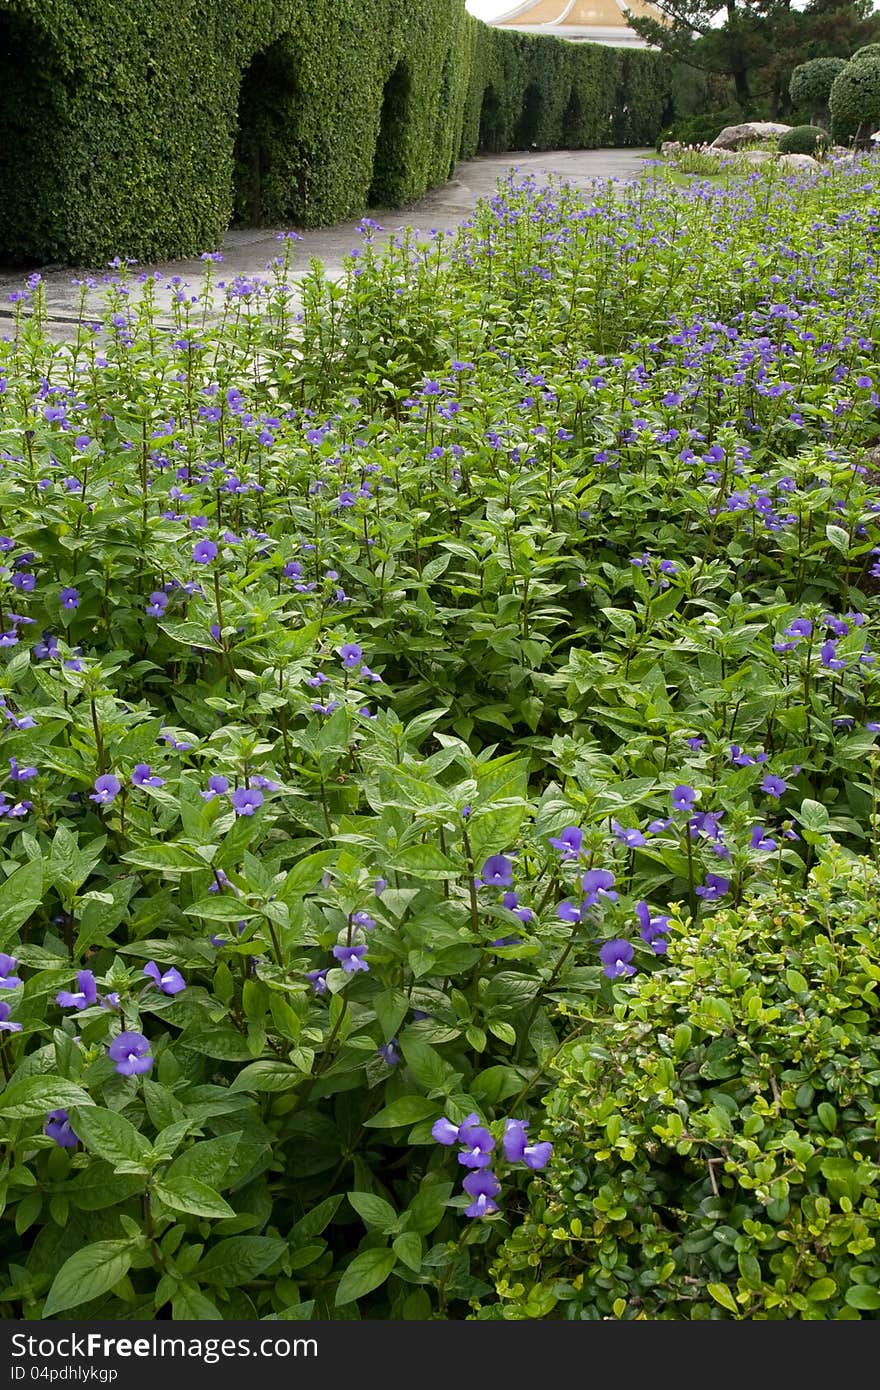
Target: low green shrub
<point>804,139</point>
<point>702,129</point>
<point>716,1135</point>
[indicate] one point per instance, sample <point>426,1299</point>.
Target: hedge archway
<point>491,138</point>
<point>264,161</point>
<point>387,162</point>
<point>526,133</point>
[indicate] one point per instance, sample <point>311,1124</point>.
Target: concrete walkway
<point>246,251</point>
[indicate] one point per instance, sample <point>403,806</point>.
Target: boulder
<point>755,157</point>
<point>797,162</point>
<point>733,137</point>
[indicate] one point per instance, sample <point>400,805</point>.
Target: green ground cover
<point>404,680</point>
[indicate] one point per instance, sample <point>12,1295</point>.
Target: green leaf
<point>189,1305</point>
<point>87,1274</point>
<point>813,816</point>
<point>20,896</point>
<point>722,1294</point>
<point>208,1161</point>
<point>111,1136</point>
<point>239,1258</point>
<point>267,1076</point>
<point>365,1273</point>
<point>864,1297</point>
<point>820,1289</point>
<point>35,1095</point>
<point>425,1211</point>
<point>408,1248</point>
<point>190,1195</point>
<point>408,1110</point>
<point>375,1211</point>
<point>796,982</point>
<point>827,1116</point>
<point>315,1221</point>
<point>838,537</point>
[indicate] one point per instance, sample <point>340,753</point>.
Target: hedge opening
<point>526,133</point>
<point>387,170</point>
<point>263,112</point>
<point>491,127</point>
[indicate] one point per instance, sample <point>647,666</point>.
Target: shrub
<point>804,139</point>
<point>810,86</point>
<point>869,51</point>
<point>702,129</point>
<point>137,129</point>
<point>855,100</point>
<point>716,1135</point>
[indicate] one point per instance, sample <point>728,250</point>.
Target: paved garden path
<point>246,251</point>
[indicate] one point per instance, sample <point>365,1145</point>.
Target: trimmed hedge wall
<point>141,127</point>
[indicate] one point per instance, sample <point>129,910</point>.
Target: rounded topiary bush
<point>855,100</point>
<point>804,139</point>
<point>811,83</point>
<point>870,50</point>
<point>715,1137</point>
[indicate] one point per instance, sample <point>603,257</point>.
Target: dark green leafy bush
<point>138,128</point>
<point>811,83</point>
<point>855,99</point>
<point>716,1134</point>
<point>804,139</point>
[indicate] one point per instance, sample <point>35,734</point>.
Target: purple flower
<point>774,786</point>
<point>69,598</point>
<point>761,840</point>
<point>567,911</point>
<point>801,627</point>
<point>246,801</point>
<point>87,995</point>
<point>715,887</point>
<point>217,786</point>
<point>351,958</point>
<point>695,743</point>
<point>652,929</point>
<point>828,654</point>
<point>514,1140</point>
<point>351,654</point>
<point>21,774</point>
<point>157,604</point>
<point>57,1127</point>
<point>597,883</point>
<point>497,871</point>
<point>568,842</point>
<point>5,1025</point>
<point>445,1132</point>
<point>478,1145</point>
<point>482,1185</point>
<point>204,551</point>
<point>633,839</point>
<point>8,965</point>
<point>169,981</point>
<point>131,1053</point>
<point>616,956</point>
<point>389,1052</point>
<point>364,920</point>
<point>143,776</point>
<point>318,979</point>
<point>683,797</point>
<point>656,827</point>
<point>106,788</point>
<point>537,1156</point>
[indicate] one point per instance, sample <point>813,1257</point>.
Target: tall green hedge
<point>141,127</point>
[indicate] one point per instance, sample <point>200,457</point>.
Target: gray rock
<point>795,162</point>
<point>733,137</point>
<point>755,157</point>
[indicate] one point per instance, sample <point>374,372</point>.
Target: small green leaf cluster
<point>717,1133</point>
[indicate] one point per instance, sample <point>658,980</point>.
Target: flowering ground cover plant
<point>390,675</point>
